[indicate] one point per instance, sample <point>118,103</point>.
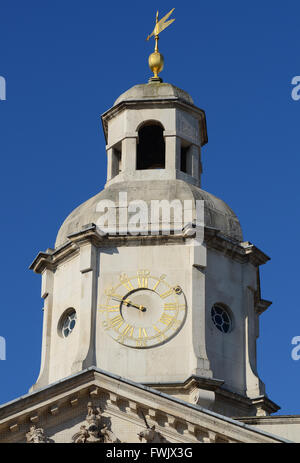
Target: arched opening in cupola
<point>150,146</point>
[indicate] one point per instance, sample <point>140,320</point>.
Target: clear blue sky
<point>65,62</point>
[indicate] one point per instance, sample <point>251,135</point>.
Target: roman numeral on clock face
<point>142,339</point>
<point>160,336</point>
<point>166,318</point>
<point>174,306</point>
<point>109,308</point>
<point>143,276</point>
<point>161,278</point>
<point>126,333</point>
<point>126,282</point>
<point>114,322</point>
<point>167,293</point>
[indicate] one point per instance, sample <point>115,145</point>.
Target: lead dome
<point>154,91</point>
<point>180,119</point>
<point>218,214</point>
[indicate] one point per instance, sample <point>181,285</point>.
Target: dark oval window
<point>67,323</point>
<point>221,318</point>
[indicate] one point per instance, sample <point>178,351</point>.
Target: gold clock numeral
<point>115,322</point>
<point>141,343</point>
<point>126,333</point>
<point>143,333</point>
<point>142,339</point>
<point>167,319</point>
<point>143,276</point>
<point>109,308</point>
<point>126,282</point>
<point>161,336</point>
<point>171,306</point>
<point>174,306</point>
<point>170,321</point>
<point>161,278</point>
<point>167,293</point>
<point>110,292</point>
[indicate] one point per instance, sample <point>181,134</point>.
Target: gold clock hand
<point>140,307</point>
<point>129,303</point>
<point>121,300</point>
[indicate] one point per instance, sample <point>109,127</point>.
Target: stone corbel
<point>54,410</point>
<point>171,423</point>
<point>74,402</point>
<point>132,408</point>
<point>264,406</point>
<point>262,305</point>
<point>151,415</point>
<point>34,418</point>
<point>14,427</point>
<point>191,432</point>
<point>202,397</point>
<point>191,429</point>
<point>94,392</point>
<point>210,438</point>
<point>112,401</point>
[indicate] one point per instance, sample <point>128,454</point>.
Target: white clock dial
<point>143,311</point>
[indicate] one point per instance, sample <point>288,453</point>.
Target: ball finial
<point>156,63</point>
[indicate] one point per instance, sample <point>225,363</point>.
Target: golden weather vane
<point>156,59</point>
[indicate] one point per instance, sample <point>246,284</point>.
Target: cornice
<point>261,402</point>
<point>91,234</point>
<point>241,252</point>
<point>163,102</point>
<point>125,399</point>
<point>262,305</point>
<point>189,384</point>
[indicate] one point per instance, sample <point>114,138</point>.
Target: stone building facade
<point>151,299</point>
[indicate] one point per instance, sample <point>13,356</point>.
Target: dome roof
<point>217,214</point>
<point>154,91</point>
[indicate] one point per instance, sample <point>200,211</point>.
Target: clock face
<point>143,310</point>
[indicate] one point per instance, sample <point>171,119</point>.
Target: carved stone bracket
<point>94,392</point>
<point>36,435</point>
<point>150,435</point>
<point>95,430</point>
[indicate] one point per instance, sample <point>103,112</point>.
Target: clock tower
<point>151,279</point>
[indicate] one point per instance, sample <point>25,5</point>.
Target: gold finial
<point>156,59</point>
